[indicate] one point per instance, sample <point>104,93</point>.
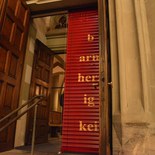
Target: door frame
<point>105,89</point>
<point>105,84</point>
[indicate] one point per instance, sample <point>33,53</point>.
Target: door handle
<point>96,85</point>
<point>110,83</point>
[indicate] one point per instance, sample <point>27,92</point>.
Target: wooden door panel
<point>2,12</point>
<point>12,5</point>
<point>1,6</point>
<point>3,59</point>
<point>13,35</point>
<point>41,136</point>
<point>7,29</point>
<point>40,84</point>
<point>18,39</point>
<point>22,13</point>
<point>46,74</point>
<point>14,62</point>
<point>10,89</point>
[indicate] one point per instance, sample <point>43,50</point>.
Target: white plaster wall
<point>40,26</point>
<point>24,91</point>
<point>37,31</point>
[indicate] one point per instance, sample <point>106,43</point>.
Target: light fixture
<point>41,1</point>
<point>47,1</point>
<point>31,1</point>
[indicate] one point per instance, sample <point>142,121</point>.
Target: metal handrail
<point>16,110</point>
<point>35,104</point>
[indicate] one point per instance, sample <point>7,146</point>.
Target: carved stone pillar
<point>133,75</point>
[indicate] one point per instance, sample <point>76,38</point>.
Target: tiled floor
<point>51,148</point>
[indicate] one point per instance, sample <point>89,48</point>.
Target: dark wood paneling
<point>40,84</point>
<point>2,11</point>
<point>13,35</point>
<point>10,90</point>
<point>3,59</point>
<point>55,118</point>
<point>7,29</point>
<point>13,66</point>
<point>12,5</point>
<point>18,38</point>
<point>22,13</point>
<point>1,5</point>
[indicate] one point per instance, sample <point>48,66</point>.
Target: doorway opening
<point>43,68</point>
<point>57,96</point>
<point>82,86</point>
<point>48,74</point>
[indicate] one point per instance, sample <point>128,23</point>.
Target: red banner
<point>81,100</point>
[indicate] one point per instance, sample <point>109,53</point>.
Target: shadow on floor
<point>53,147</point>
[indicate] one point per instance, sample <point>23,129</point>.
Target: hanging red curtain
<point>81,99</point>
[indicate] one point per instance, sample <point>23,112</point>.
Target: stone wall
<point>25,86</point>
<point>132,42</point>
<point>150,13</point>
<point>35,32</point>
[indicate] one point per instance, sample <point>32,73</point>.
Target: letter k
<point>82,127</point>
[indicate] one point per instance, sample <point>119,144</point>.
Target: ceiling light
<point>31,1</point>
<point>46,1</point>
<point>41,1</point>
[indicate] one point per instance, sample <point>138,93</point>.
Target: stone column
<point>150,16</point>
<point>130,55</point>
<point>129,61</point>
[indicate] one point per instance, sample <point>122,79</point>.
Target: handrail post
<point>34,129</point>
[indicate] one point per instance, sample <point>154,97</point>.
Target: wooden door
<point>40,84</point>
<point>14,17</point>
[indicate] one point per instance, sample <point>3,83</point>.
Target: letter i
<point>95,125</point>
<point>85,98</point>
